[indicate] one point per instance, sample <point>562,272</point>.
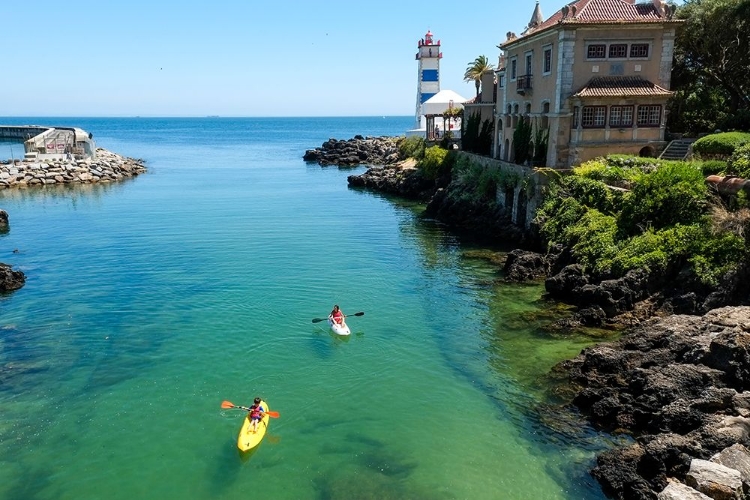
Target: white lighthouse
<point>428,78</point>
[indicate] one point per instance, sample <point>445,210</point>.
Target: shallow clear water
<point>150,301</point>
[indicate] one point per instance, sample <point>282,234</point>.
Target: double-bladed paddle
<point>228,405</point>
<point>318,320</point>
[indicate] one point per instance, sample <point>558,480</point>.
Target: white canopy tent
<point>440,102</point>
<point>434,112</point>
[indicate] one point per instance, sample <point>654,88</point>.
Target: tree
<point>522,140</point>
<point>475,70</point>
<point>712,61</point>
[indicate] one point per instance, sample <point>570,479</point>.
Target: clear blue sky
<point>240,58</point>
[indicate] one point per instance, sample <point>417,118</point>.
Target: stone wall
<point>520,189</point>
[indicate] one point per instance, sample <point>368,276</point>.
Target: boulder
<point>9,279</point>
<point>522,265</point>
<point>715,480</point>
<point>676,490</point>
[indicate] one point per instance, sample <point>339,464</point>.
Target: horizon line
<point>205,116</point>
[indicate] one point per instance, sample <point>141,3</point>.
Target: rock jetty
<point>356,151</point>
<point>680,385</point>
<point>105,167</point>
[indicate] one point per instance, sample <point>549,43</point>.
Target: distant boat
<point>212,116</point>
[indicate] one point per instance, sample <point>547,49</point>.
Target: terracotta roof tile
<point>600,12</point>
<point>620,86</point>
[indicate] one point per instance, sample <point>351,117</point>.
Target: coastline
<point>692,425</point>
<point>151,263</point>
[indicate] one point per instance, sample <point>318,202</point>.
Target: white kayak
<point>339,329</point>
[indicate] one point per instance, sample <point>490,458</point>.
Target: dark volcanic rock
<point>678,384</point>
<point>401,179</point>
<point>356,151</point>
<point>9,279</point>
<point>522,265</point>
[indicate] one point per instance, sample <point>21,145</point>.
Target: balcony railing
<point>523,84</point>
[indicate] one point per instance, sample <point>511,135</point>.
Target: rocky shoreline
<point>356,151</point>
<point>680,385</point>
<point>678,381</point>
<point>106,167</point>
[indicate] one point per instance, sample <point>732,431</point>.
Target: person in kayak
<point>337,316</point>
<point>255,413</point>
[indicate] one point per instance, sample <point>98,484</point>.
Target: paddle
<point>229,404</point>
<point>318,320</point>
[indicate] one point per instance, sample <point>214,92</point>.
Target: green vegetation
<point>666,223</point>
<point>709,76</point>
<point>522,140</point>
<point>411,147</point>
<point>540,143</point>
<point>720,145</point>
<point>476,69</point>
<point>475,140</point>
<point>475,183</point>
<point>739,162</point>
<point>436,162</point>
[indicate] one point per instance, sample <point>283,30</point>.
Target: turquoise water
<point>149,302</point>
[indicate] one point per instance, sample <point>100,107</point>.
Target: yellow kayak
<point>247,440</point>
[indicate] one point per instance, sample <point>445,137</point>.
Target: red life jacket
<point>338,317</point>
<point>255,411</point>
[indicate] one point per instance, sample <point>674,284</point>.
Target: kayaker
<point>337,316</point>
<point>255,413</point>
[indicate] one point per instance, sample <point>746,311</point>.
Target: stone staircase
<point>679,149</point>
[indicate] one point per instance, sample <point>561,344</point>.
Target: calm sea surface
<point>150,301</point>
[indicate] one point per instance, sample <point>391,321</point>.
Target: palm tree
<point>475,69</point>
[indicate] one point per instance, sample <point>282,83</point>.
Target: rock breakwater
<point>105,167</point>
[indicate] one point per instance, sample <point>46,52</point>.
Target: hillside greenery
<point>621,213</point>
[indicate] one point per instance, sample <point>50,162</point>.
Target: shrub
<point>715,255</point>
<point>713,167</point>
<point>411,147</point>
<point>675,193</point>
<point>590,192</point>
<point>721,144</point>
<point>592,240</point>
<point>654,250</point>
<point>436,162</point>
<point>739,162</point>
<point>615,170</point>
<point>487,183</point>
<point>556,214</point>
